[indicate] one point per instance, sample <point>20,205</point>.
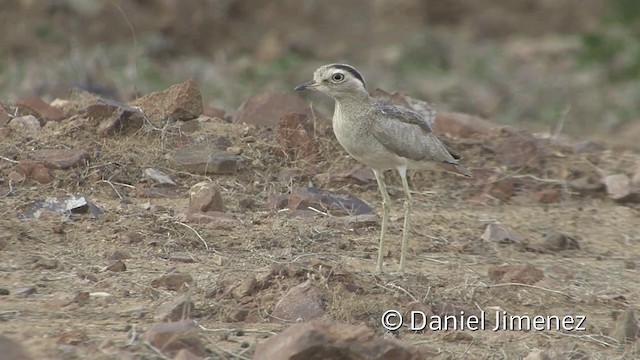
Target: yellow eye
<point>337,77</point>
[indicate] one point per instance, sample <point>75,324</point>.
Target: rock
<point>179,102</point>
<point>11,349</point>
<point>517,148</point>
<point>537,354</point>
<point>547,196</point>
<point>4,291</point>
<point>619,188</point>
<point>117,266</point>
<point>159,177</point>
<point>267,108</point>
<point>172,337</point>
<point>174,281</point>
<point>25,124</point>
<point>302,302</point>
<point>205,196</point>
<point>204,161</point>
<point>521,274</point>
<point>60,158</point>
<point>37,107</point>
<point>556,241</point>
<point>356,221</point>
<point>459,125</point>
<point>176,309</point>
<point>72,204</point>
<point>112,117</point>
<point>214,112</point>
<point>25,291</point>
<point>502,189</point>
<point>246,288</point>
<point>496,232</point>
<point>131,238</point>
<point>586,186</point>
<point>323,200</point>
<point>296,136</point>
<point>321,339</point>
<point>34,170</point>
<point>626,327</point>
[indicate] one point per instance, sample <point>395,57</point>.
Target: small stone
<point>60,158</point>
<point>322,339</point>
<point>175,281</point>
<point>322,200</point>
<point>36,106</point>
<point>247,202</point>
<point>117,266</point>
<point>112,117</point>
<point>4,291</point>
<point>26,124</point>
<point>205,196</point>
<point>131,238</point>
<point>548,196</point>
<point>626,327</point>
<point>25,292</point>
<point>172,337</point>
<point>303,302</point>
<point>496,232</point>
<point>521,274</point>
<point>179,102</point>
<point>556,241</point>
<point>266,109</point>
<point>517,148</point>
<point>619,188</point>
<point>204,161</point>
<point>159,177</point>
<point>176,309</point>
<point>246,288</point>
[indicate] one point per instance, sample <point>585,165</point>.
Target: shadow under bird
<point>382,136</point>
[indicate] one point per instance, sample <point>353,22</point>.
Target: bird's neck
<point>353,100</point>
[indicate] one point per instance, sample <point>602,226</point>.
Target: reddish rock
<point>203,161</point>
<point>205,196</point>
<point>516,148</point>
<point>323,200</point>
<point>246,288</point>
<point>555,241</point>
<point>521,274</point>
<point>25,124</point>
<point>266,109</point>
<point>176,309</point>
<point>172,337</point>
<point>179,102</point>
<point>11,349</point>
<point>303,302</point>
<point>547,196</point>
<point>16,177</point>
<point>319,339</point>
<point>113,117</point>
<point>459,125</point>
<point>214,112</point>
<point>296,136</point>
<point>502,189</point>
<point>34,170</point>
<point>361,175</point>
<point>60,158</point>
<point>174,281</point>
<point>37,107</point>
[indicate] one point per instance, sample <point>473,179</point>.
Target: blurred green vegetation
<point>616,44</point>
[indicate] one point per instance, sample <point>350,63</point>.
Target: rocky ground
<point>164,229</point>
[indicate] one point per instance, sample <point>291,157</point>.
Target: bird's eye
<point>337,77</point>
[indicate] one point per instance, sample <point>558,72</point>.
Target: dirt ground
<point>60,257</point>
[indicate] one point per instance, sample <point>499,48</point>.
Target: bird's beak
<point>309,85</point>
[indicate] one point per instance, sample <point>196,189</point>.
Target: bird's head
<point>336,80</point>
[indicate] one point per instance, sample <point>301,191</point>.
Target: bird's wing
<point>408,134</point>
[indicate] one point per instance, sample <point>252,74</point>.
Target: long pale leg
<point>386,203</point>
<point>408,205</point>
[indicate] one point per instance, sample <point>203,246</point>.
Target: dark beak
<point>305,86</point>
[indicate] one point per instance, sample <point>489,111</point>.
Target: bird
<point>382,136</point>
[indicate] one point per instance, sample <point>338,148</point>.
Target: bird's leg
<point>408,204</point>
<point>386,203</point>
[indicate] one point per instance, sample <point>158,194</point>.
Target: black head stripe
<point>351,70</point>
